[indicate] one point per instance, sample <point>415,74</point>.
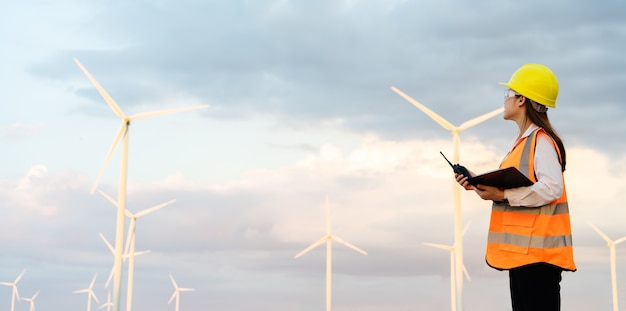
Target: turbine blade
<point>443,122</point>
<point>35,295</point>
<point>480,119</point>
<point>172,298</point>
<point>129,214</point>
<point>110,199</point>
<point>116,109</point>
<point>106,285</point>
<point>116,141</point>
<point>92,294</point>
<point>107,243</point>
<point>466,227</point>
<point>328,227</point>
<point>342,241</point>
<point>131,234</point>
<point>142,253</point>
<point>144,115</point>
<point>466,274</point>
<point>174,282</point>
<point>312,246</point>
<point>186,289</point>
<point>620,240</point>
<point>92,281</point>
<point>154,208</point>
<point>19,276</point>
<point>604,236</point>
<point>80,291</point>
<point>106,304</point>
<point>441,246</point>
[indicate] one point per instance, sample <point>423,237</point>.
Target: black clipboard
<point>505,178</point>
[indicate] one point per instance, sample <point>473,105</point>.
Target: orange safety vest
<point>520,236</point>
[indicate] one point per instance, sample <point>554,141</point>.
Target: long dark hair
<point>540,118</point>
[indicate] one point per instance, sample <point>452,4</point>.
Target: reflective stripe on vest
<point>520,236</point>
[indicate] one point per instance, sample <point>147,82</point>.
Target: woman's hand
<point>462,180</point>
<point>485,192</point>
<point>489,193</point>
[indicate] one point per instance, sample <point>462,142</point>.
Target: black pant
<point>536,287</point>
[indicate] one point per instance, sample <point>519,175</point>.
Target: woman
<point>530,232</point>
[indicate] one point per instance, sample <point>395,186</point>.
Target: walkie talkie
<point>457,168</point>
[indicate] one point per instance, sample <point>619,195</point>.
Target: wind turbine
<point>31,300</point>
<point>130,243</point>
<point>328,239</point>
<point>456,130</point>
<point>89,291</point>
<point>125,256</point>
<point>451,249</point>
<point>123,132</point>
<point>14,293</point>
<point>176,293</point>
<point>611,245</point>
<point>107,304</point>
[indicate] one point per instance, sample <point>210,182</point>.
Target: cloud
<point>278,59</point>
<point>17,131</point>
<point>21,127</point>
<point>30,192</point>
<point>386,197</point>
<point>37,171</point>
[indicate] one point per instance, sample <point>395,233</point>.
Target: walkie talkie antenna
<point>457,168</point>
<point>446,159</point>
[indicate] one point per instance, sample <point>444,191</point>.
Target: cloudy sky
<point>300,109</point>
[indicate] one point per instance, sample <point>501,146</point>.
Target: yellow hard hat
<point>536,82</point>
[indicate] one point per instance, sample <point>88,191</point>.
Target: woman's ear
<point>520,101</point>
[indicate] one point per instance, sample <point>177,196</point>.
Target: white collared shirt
<point>549,185</point>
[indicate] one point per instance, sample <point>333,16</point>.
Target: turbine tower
<point>328,238</point>
<point>89,291</point>
<point>451,249</point>
<point>176,293</point>
<point>611,245</point>
<point>122,133</point>
<point>14,292</point>
<point>130,243</point>
<point>456,130</point>
<point>31,301</point>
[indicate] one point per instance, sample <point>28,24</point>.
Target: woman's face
<point>512,105</point>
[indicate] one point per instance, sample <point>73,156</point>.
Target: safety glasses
<point>510,93</point>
